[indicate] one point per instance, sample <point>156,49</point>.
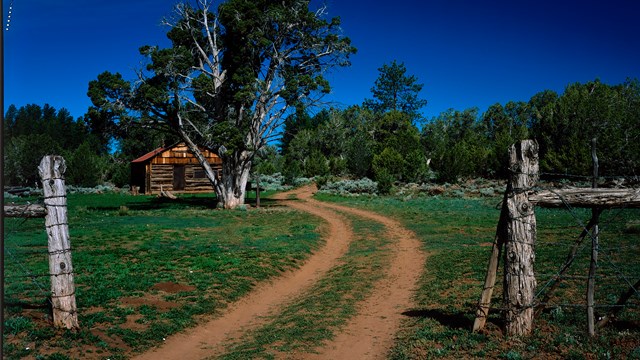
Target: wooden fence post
<point>519,254</point>
<point>595,217</point>
<point>482,313</point>
<point>63,298</point>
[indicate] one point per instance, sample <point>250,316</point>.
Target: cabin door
<point>178,178</point>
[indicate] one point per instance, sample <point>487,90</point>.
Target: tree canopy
<point>228,79</point>
<point>33,131</point>
<point>397,91</point>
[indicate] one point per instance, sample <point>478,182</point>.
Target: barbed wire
<point>580,245</point>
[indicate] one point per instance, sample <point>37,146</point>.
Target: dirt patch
<point>150,300</point>
<point>133,324</point>
<point>172,288</point>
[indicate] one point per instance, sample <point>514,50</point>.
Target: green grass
<point>313,318</point>
<point>457,234</point>
<point>123,246</point>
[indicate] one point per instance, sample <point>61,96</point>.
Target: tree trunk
<point>519,254</point>
<point>235,175</point>
<point>63,297</point>
<point>230,189</point>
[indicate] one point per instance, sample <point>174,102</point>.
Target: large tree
<point>229,79</point>
<point>394,90</point>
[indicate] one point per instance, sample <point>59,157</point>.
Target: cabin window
<point>198,173</point>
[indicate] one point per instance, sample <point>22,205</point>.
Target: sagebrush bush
<point>274,182</point>
<point>345,187</point>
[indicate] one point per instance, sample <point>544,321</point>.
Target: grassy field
<point>457,233</point>
<point>147,268</point>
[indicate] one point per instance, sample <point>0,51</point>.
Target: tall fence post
<point>519,254</point>
<point>63,298</point>
<point>595,217</point>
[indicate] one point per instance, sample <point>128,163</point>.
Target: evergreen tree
<point>394,90</point>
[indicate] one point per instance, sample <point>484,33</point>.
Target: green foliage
<point>84,167</point>
<point>268,162</point>
<point>16,325</point>
<point>586,111</point>
<point>461,144</point>
<point>455,143</point>
<point>348,187</point>
<point>316,164</point>
<point>32,132</point>
<point>119,171</point>
<point>385,181</point>
<point>359,154</point>
<point>395,91</point>
<point>405,159</point>
<point>22,155</point>
<point>389,163</point>
<point>504,126</point>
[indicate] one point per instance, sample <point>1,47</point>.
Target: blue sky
<point>466,53</point>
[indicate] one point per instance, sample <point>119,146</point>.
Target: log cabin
<point>175,169</point>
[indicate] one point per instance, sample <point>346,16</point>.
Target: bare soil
<point>369,335</point>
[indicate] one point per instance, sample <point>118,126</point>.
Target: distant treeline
<point>464,143</point>
<point>385,143</point>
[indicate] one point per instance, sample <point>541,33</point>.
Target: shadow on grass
<point>456,320</point>
<point>181,202</point>
<point>197,202</point>
<point>203,202</point>
<point>453,320</point>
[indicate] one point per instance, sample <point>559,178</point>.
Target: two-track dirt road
<point>368,335</point>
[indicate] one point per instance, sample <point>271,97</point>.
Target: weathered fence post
<point>63,298</point>
<point>595,217</point>
<point>519,254</point>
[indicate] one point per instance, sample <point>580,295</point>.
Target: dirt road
<point>369,335</point>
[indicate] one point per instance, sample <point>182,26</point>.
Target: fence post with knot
<point>519,254</point>
<point>63,298</point>
<point>515,239</point>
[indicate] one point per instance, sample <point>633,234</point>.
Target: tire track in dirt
<point>209,339</point>
<point>370,334</point>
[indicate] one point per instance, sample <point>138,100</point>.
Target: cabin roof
<point>152,154</point>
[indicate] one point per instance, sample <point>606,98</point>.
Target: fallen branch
<point>588,197</point>
<point>25,211</point>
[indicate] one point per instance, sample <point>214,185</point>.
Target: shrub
<point>488,192</point>
<point>299,181</point>
<point>274,182</point>
<point>385,182</point>
<point>388,163</point>
<point>316,164</point>
<point>345,187</point>
<point>84,167</point>
<point>337,166</point>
